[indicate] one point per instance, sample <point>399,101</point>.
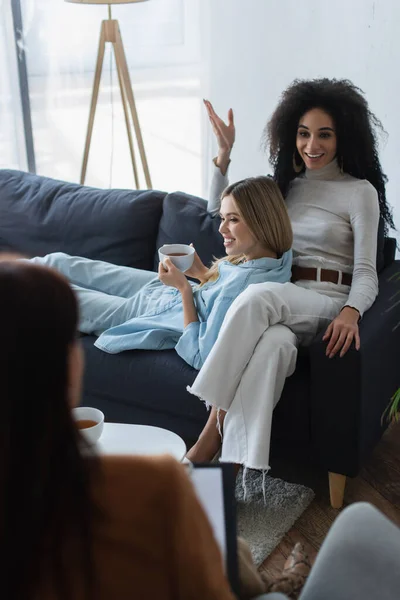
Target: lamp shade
<point>104,1</point>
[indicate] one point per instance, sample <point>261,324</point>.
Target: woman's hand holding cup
<point>198,269</point>
<point>181,258</point>
<point>170,275</point>
<point>175,260</point>
<point>181,255</point>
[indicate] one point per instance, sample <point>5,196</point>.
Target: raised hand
<point>225,134</point>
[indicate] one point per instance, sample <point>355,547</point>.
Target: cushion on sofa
<point>185,220</point>
<point>39,215</point>
<point>143,386</point>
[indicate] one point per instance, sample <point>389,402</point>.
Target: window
<point>162,45</point>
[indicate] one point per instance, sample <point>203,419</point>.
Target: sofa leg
<point>336,489</point>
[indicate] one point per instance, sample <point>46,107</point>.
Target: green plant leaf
<point>392,411</point>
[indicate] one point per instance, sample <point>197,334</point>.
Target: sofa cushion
<point>185,220</point>
<point>144,382</point>
<point>39,215</point>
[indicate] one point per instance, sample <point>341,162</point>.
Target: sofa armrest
<point>389,251</point>
<point>350,394</point>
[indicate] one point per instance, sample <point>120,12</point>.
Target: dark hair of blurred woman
<point>45,483</point>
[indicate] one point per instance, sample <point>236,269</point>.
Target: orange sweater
<point>155,541</point>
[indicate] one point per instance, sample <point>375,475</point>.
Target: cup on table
<point>90,422</point>
<point>181,255</point>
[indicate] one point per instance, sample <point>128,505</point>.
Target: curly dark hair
<point>356,129</point>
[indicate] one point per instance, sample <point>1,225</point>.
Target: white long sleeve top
<point>335,226</point>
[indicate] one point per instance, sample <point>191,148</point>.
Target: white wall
<point>257,47</point>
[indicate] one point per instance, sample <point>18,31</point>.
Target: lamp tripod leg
<point>95,94</point>
<point>127,122</point>
<point>123,66</point>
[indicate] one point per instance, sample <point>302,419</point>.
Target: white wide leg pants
<point>256,350</point>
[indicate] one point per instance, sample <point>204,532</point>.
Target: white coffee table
<point>143,440</point>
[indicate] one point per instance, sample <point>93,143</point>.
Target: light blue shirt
<point>160,324</point>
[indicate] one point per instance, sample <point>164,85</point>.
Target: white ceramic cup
<point>183,263</point>
<point>91,434</point>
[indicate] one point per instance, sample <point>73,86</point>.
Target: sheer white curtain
<point>12,148</point>
<point>163,45</point>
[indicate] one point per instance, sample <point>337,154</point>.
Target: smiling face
<point>238,238</point>
<point>316,139</point>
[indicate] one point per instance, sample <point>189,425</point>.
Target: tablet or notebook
<point>215,487</point>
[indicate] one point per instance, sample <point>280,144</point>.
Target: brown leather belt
<point>311,274</point>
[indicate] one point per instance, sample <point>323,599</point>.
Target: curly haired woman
<point>323,150</point>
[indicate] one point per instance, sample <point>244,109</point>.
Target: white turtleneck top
<point>335,226</point>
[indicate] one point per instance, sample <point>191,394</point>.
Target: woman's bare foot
<point>204,449</point>
<point>209,442</point>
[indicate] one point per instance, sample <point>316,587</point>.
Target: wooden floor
<point>378,483</point>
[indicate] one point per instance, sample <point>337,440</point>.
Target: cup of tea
<point>181,255</point>
<point>90,422</point>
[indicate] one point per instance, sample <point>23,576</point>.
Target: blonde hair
<point>262,207</point>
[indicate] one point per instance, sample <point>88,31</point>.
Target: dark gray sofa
<point>330,409</point>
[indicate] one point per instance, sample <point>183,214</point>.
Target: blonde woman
<point>132,308</point>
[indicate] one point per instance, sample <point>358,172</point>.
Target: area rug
<point>263,523</point>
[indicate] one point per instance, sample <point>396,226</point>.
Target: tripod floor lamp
<point>110,32</point>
